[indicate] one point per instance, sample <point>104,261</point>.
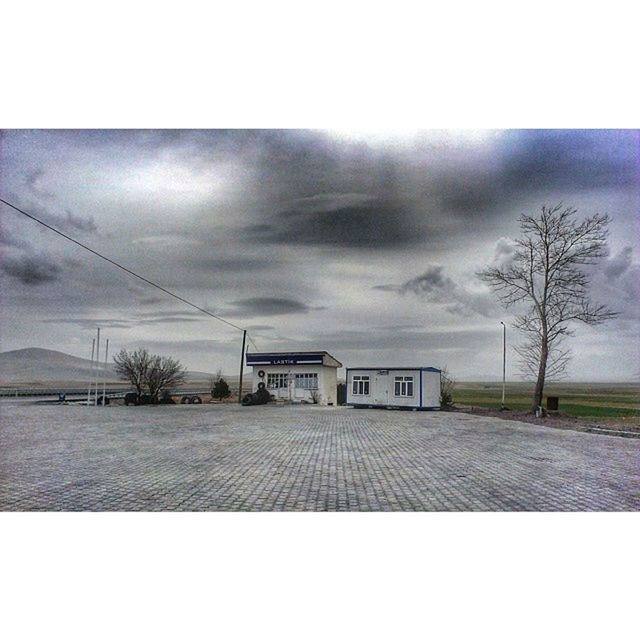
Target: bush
<point>220,389</point>
<point>447,383</point>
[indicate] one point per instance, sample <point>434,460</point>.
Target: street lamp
<point>504,361</point>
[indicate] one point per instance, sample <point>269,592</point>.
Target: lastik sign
<point>280,359</point>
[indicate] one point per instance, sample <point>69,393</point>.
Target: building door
<point>278,385</point>
<point>381,387</point>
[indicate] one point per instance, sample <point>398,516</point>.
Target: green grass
<point>580,400</point>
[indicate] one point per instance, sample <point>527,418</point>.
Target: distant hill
<point>46,367</point>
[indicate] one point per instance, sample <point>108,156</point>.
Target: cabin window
<point>360,385</point>
<point>277,380</point>
<point>403,386</point>
<point>306,380</point>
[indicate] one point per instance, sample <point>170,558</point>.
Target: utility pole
<point>95,397</point>
<point>93,349</point>
<point>104,375</point>
<point>504,361</point>
<point>244,341</point>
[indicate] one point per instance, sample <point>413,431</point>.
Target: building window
<point>277,380</point>
<point>404,386</point>
<point>360,385</point>
<point>306,380</point>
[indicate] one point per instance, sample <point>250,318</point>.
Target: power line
<point>116,264</point>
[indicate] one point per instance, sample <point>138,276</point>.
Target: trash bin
<point>552,403</point>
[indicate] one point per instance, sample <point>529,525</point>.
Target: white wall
<point>430,389</point>
<point>382,388</point>
<point>327,381</point>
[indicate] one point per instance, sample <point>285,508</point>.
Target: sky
<point>363,243</point>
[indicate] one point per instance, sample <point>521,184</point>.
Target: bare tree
<point>148,372</point>
<point>546,274</point>
<point>133,367</point>
<point>447,384</point>
<point>163,374</point>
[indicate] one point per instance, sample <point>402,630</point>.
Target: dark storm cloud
<point>435,286</point>
<point>168,317</point>
<point>56,216</point>
<point>432,283</point>
<point>80,223</point>
<point>318,192</point>
<point>31,270</point>
<point>369,223</point>
<point>171,319</point>
<point>571,159</point>
<point>387,287</point>
<point>466,199</point>
<point>616,283</point>
<point>620,263</point>
<point>125,323</point>
<point>90,323</point>
<point>267,306</point>
<point>40,201</point>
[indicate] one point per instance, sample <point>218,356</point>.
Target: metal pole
<point>93,348</point>
<point>104,374</point>
<point>504,359</point>
<point>244,341</point>
<point>95,397</point>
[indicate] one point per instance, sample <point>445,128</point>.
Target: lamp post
<point>504,361</point>
<point>244,341</point>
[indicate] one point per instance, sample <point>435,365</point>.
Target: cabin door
<point>381,388</point>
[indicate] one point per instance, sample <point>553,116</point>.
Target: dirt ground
<point>629,427</point>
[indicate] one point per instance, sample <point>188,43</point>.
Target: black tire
<point>261,386</point>
<point>261,374</point>
<point>185,399</point>
<point>195,400</point>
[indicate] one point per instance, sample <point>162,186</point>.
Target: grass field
<point>596,400</point>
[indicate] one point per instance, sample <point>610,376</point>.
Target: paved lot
<point>221,458</point>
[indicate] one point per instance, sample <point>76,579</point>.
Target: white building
<point>415,388</point>
<point>309,376</point>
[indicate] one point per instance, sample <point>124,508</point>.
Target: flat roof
<point>394,369</point>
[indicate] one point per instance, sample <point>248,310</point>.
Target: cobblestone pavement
<point>303,458</point>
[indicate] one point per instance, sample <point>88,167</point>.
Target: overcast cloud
<point>367,248</point>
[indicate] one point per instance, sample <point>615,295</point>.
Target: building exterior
<point>309,376</point>
<point>413,388</point>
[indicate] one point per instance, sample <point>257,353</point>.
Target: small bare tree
<point>147,372</point>
<point>546,274</point>
<point>163,374</point>
<point>133,367</point>
<point>447,384</point>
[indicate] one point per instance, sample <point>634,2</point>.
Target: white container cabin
<point>409,387</point>
<point>300,376</point>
